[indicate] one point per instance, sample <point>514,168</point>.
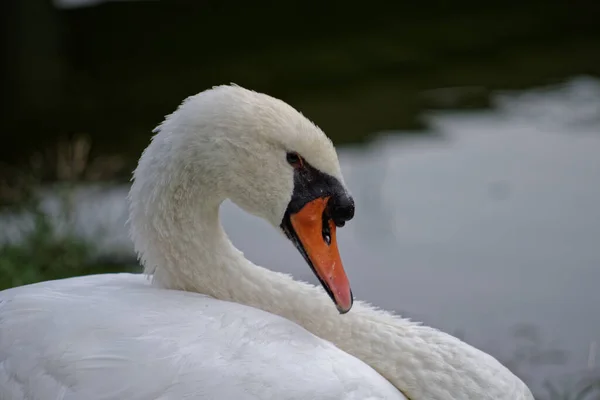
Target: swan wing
<point>115,336</point>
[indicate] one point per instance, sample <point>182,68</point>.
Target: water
<point>491,223</point>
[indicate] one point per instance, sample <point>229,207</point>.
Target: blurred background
<point>468,132</point>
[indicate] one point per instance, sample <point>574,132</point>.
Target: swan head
<point>258,151</point>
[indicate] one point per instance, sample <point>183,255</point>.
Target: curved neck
<point>191,251</point>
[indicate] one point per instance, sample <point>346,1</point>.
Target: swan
<point>203,322</point>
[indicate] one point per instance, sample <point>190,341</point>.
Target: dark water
<point>113,71</point>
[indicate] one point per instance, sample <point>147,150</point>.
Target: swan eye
<point>294,160</point>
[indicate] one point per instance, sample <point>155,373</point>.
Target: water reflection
<point>489,224</point>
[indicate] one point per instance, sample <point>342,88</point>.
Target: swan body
<point>209,324</point>
<point>115,336</point>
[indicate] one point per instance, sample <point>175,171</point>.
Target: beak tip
<point>343,309</point>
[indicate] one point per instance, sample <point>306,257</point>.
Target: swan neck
<point>188,249</point>
<point>200,257</point>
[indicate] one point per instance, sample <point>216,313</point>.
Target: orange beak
<point>316,235</point>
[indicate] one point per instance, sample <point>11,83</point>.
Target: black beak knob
<point>341,209</point>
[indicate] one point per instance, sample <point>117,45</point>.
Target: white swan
<point>117,336</point>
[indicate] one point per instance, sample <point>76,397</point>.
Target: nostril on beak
<point>341,209</point>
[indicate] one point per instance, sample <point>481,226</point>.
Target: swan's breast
<point>116,337</point>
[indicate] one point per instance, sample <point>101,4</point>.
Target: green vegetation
<point>44,252</point>
<point>45,255</point>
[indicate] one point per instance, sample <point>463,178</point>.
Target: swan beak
<point>315,233</point>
